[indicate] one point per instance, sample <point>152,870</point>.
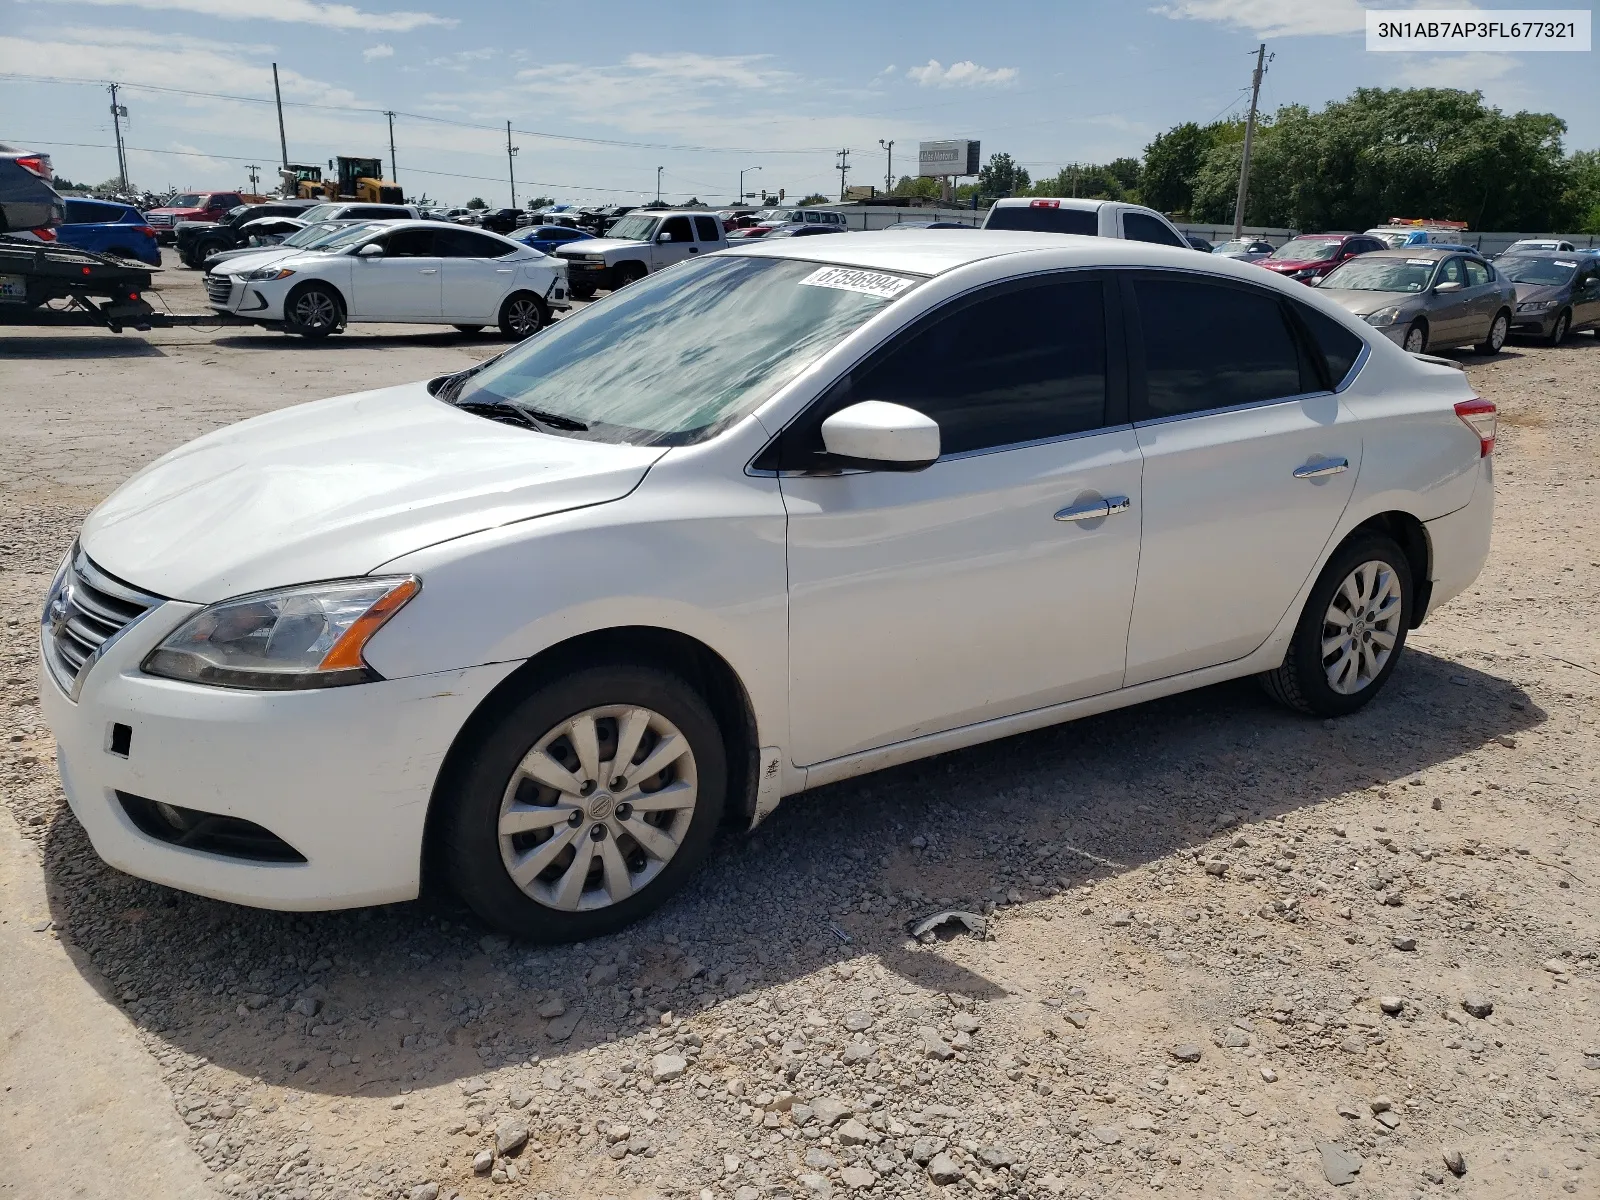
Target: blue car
<point>546,238</point>
<point>108,228</point>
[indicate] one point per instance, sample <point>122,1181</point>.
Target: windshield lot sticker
<point>1419,262</point>
<point>1559,263</point>
<point>847,279</point>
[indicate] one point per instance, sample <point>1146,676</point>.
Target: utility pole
<point>283,142</point>
<point>741,182</point>
<point>844,166</point>
<point>1249,138</point>
<point>117,113</point>
<point>888,173</point>
<point>394,167</point>
<point>511,164</point>
<point>658,183</point>
<point>255,175</point>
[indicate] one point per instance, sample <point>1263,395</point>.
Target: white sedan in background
<point>773,518</point>
<point>406,272</point>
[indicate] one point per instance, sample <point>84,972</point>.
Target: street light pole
<point>511,164</point>
<point>741,182</point>
<point>888,174</point>
<point>658,183</point>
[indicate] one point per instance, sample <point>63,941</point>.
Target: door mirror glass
<point>663,237</point>
<point>371,250</point>
<point>1449,285</point>
<point>877,435</point>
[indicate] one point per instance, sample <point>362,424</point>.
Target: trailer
<point>99,289</point>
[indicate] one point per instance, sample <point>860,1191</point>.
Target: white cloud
<point>301,12</point>
<point>1288,18</point>
<point>962,74</point>
<point>381,50</point>
<point>1470,72</point>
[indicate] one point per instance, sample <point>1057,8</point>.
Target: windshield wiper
<point>505,414</point>
<point>554,420</point>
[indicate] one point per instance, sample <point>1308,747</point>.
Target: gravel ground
<point>1232,952</point>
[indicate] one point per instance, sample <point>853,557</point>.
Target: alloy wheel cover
<point>1362,627</point>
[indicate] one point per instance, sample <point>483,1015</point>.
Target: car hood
<point>337,488</point>
<point>171,212</point>
<point>601,245</point>
<point>260,256</point>
<point>1293,264</point>
<point>1540,291</point>
<point>1361,303</point>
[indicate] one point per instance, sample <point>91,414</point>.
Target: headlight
<point>1383,317</point>
<point>310,636</point>
<point>1533,306</point>
<point>1308,273</point>
<point>262,274</point>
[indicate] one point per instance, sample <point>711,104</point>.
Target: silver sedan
<point>1426,299</point>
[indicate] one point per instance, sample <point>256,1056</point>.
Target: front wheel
<point>522,315</point>
<point>582,292</point>
<point>1559,333</point>
<point>313,312</point>
<point>1498,329</point>
<point>1417,338</point>
<point>590,803</point>
<point>1350,633</point>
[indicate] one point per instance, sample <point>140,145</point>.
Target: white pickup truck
<point>638,244</point>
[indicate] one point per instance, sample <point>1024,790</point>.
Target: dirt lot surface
<point>1234,952</point>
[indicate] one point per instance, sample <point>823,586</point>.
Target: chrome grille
<point>219,287</point>
<point>159,219</point>
<point>87,608</point>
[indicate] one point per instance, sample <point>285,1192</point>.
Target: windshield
<point>1233,248</point>
<point>187,200</point>
<point>1548,271</point>
<point>1307,249</point>
<point>680,355</point>
<point>348,236</point>
<point>634,228</point>
<point>1381,275</point>
<point>314,235</point>
<point>320,212</point>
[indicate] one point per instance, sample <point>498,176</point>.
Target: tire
<point>1559,333</point>
<point>207,248</point>
<point>1416,338</point>
<point>1305,680</point>
<point>1499,328</point>
<point>313,310</point>
<point>478,853</point>
<point>469,329</point>
<point>522,315</point>
<point>628,273</point>
<point>581,293</point>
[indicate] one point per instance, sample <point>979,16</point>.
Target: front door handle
<point>694,249</point>
<point>429,270</point>
<point>1321,468</point>
<point>1095,509</point>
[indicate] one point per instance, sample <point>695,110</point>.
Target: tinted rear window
<point>1044,220</point>
<point>1340,348</point>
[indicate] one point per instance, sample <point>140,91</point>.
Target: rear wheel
<point>522,315</point>
<point>1559,333</point>
<point>590,803</point>
<point>313,311</point>
<point>1350,633</point>
<point>1417,338</point>
<point>1498,329</point>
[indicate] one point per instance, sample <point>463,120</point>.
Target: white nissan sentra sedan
<point>767,520</point>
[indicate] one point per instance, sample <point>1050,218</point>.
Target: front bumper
<point>343,775</point>
<point>1535,324</point>
<point>231,294</point>
<point>585,275</point>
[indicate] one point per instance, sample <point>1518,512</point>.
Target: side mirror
<point>370,250</point>
<point>663,237</point>
<point>1449,285</point>
<point>880,436</point>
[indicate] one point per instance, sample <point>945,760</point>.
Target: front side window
<point>1452,272</point>
<point>1211,345</point>
<point>1140,227</point>
<point>1017,364</point>
<point>654,364</point>
<point>409,243</point>
<point>679,228</point>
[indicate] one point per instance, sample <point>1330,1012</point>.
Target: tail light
<point>1044,204</point>
<point>35,163</point>
<point>145,229</point>
<point>45,234</point>
<point>1479,416</point>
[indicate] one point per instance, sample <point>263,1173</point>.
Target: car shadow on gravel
<point>415,995</point>
<point>354,339</point>
<point>106,345</point>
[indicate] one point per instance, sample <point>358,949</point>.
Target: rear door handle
<point>694,249</point>
<point>1095,509</point>
<point>430,270</point>
<point>1321,468</point>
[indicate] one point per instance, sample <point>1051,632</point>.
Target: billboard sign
<point>952,157</point>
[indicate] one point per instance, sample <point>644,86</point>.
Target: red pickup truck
<point>190,206</point>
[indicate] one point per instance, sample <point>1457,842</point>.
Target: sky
<point>600,97</point>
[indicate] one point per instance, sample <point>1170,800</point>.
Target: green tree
<point>918,188</point>
<point>1002,176</point>
<point>476,203</point>
<point>1583,190</point>
<point>540,202</point>
<point>1171,163</point>
<point>814,198</point>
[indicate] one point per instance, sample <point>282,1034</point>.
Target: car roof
<point>934,252</point>
<point>1055,202</point>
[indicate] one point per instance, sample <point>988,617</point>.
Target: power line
<point>379,112</point>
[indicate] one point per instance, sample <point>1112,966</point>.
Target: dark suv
<point>198,240</point>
